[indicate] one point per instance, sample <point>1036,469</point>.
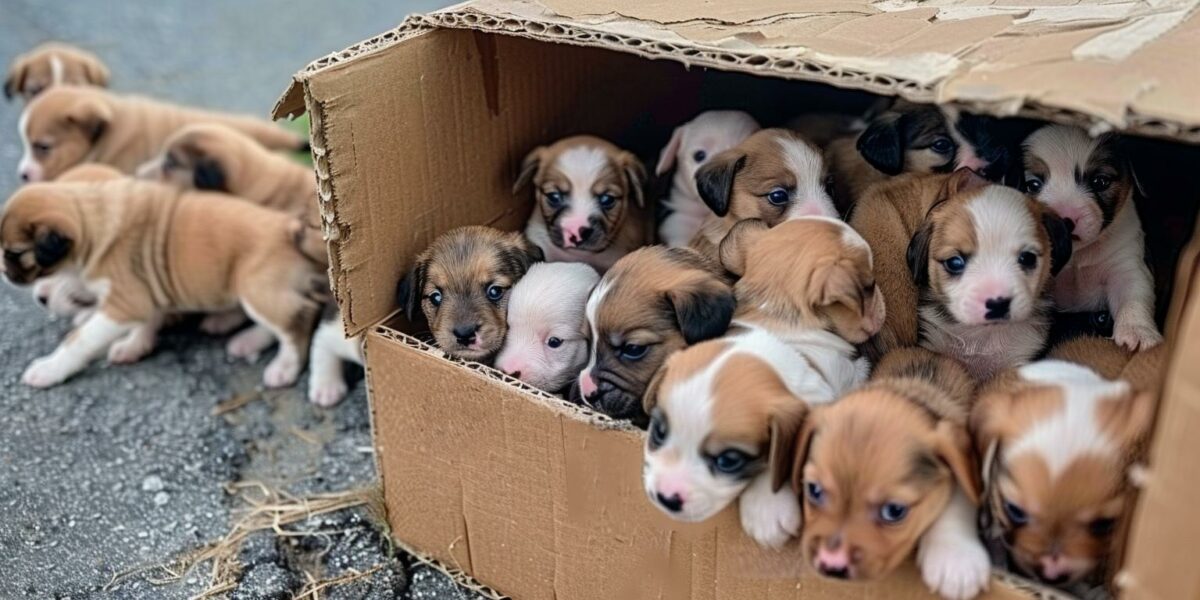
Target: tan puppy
<point>147,251</point>
<point>216,157</point>
<point>71,124</point>
<point>888,469</point>
<point>50,64</point>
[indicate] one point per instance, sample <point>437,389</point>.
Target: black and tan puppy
<point>50,64</point>
<point>461,284</point>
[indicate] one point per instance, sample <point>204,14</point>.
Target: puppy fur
<point>330,348</point>
<point>1103,356</point>
<point>691,145</point>
<point>461,284</point>
<point>653,302</point>
<point>147,251</point>
<point>1089,183</point>
<point>51,64</point>
<point>67,125</point>
<point>888,468</point>
<point>547,342</point>
<point>589,204</point>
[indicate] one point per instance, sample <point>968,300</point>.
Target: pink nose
<point>834,563</point>
<point>1055,567</point>
<point>574,230</point>
<point>587,385</point>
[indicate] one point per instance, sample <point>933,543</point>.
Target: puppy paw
<point>955,570</point>
<point>250,343</point>
<point>1136,336</point>
<point>82,316</point>
<point>222,323</point>
<point>327,393</point>
<point>282,371</point>
<point>44,372</point>
<point>769,518</point>
<point>129,350</point>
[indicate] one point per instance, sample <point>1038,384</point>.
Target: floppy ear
<point>782,450</point>
<point>714,180</point>
<point>1060,240</point>
<point>666,158</point>
<point>800,450</point>
<point>50,245</point>
<point>733,248</point>
<point>209,175</point>
<point>833,284</point>
<point>985,426</point>
<point>961,182</point>
<point>635,176</point>
<point>15,82</point>
<point>918,253</point>
<point>953,447</point>
<point>529,166</point>
<point>882,144</point>
<point>702,311</point>
<point>95,72</point>
<point>92,116</point>
<point>523,253</point>
<point>650,396</point>
<point>408,291</point>
<point>1133,418</point>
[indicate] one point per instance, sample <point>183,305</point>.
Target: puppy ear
<point>1132,418</point>
<point>986,422</point>
<point>15,82</point>
<point>781,453</point>
<point>918,253</point>
<point>650,396</point>
<point>953,447</point>
<point>702,311</point>
<point>408,291</point>
<point>733,248</point>
<point>1060,240</point>
<point>50,245</point>
<point>635,176</point>
<point>523,253</point>
<point>209,175</point>
<point>666,158</point>
<point>800,450</point>
<point>961,182</point>
<point>714,180</point>
<point>95,72</point>
<point>92,116</point>
<point>529,166</point>
<point>835,283</point>
<point>882,144</point>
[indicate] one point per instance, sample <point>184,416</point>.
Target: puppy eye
<point>658,430</point>
<point>632,351</point>
<point>41,148</point>
<point>869,288</point>
<point>942,146</point>
<point>699,156</point>
<point>815,493</point>
<point>1102,527</point>
<point>778,197</point>
<point>1033,185</point>
<point>554,342</point>
<point>731,462</point>
<point>606,201</point>
<point>1099,183</point>
<point>955,265</point>
<point>494,293</point>
<point>554,199</point>
<point>1016,515</point>
<point>1027,260</point>
<point>435,297</point>
<point>892,512</point>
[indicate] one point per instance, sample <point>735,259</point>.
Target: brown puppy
<point>888,469</point>
<point>461,283</point>
<point>1101,355</point>
<point>50,64</point>
<point>69,124</point>
<point>216,157</point>
<point>148,250</point>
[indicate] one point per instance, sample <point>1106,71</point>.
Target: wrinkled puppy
<point>147,251</point>
<point>654,301</point>
<point>888,468</point>
<point>1089,182</point>
<point>547,342</point>
<point>589,201</point>
<point>461,284</point>
<point>1057,441</point>
<point>50,64</point>
<point>70,124</point>
<point>691,145</point>
<point>773,176</point>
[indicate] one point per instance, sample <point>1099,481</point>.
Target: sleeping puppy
<point>148,251</point>
<point>330,348</point>
<point>691,145</point>
<point>1089,183</point>
<point>461,284</point>
<point>773,176</point>
<point>212,156</point>
<point>654,301</point>
<point>589,201</point>
<point>888,469</point>
<point>547,344</point>
<point>67,125</point>
<point>50,64</point>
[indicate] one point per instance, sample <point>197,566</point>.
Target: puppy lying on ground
<point>68,124</point>
<point>461,284</point>
<point>589,201</point>
<point>147,251</point>
<point>50,64</point>
<point>1089,183</point>
<point>888,468</point>
<point>691,145</point>
<point>547,344</point>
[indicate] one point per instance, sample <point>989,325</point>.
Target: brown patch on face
<point>62,125</point>
<point>35,71</point>
<point>39,231</point>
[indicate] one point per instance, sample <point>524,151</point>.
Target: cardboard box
<point>422,129</point>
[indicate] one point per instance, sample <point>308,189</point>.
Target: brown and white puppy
<point>50,64</point>
<point>589,201</point>
<point>888,469</point>
<point>147,251</point>
<point>1090,184</point>
<point>461,283</point>
<point>69,124</point>
<point>654,301</point>
<point>983,261</point>
<point>216,157</point>
<point>773,176</point>
<point>1058,440</point>
<point>690,147</point>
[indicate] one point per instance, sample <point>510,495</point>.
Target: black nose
<point>1070,223</point>
<point>465,334</point>
<point>25,177</point>
<point>585,234</point>
<point>671,503</point>
<point>997,308</point>
<point>836,573</point>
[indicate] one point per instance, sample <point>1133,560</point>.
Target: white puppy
<point>546,346</point>
<point>330,346</point>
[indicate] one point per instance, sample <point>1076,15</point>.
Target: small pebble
<point>153,483</point>
<point>161,499</point>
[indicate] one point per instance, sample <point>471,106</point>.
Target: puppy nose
<point>585,233</point>
<point>1070,223</point>
<point>1053,569</point>
<point>997,308</point>
<point>673,503</point>
<point>43,300</point>
<point>513,374</point>
<point>25,176</point>
<point>465,334</point>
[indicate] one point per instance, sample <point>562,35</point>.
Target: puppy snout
<point>42,299</point>
<point>673,503</point>
<point>25,176</point>
<point>833,559</point>
<point>465,334</point>
<point>587,385</point>
<point>997,308</point>
<point>513,374</point>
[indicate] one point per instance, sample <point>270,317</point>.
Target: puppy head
<point>812,272</point>
<point>985,253</point>
<point>1057,441</point>
<point>874,470</point>
<point>59,128</point>
<point>547,344</point>
<point>39,232</point>
<point>1085,180</point>
<point>461,283</point>
<point>921,138</point>
<point>201,156</point>
<point>583,186</point>
<point>773,176</point>
<point>652,302</point>
<point>704,137</point>
<point>53,64</point>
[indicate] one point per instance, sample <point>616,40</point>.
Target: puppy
<point>68,124</point>
<point>1103,356</point>
<point>1057,440</point>
<point>212,156</point>
<point>888,468</point>
<point>654,301</point>
<point>773,176</point>
<point>691,145</point>
<point>330,348</point>
<point>1089,183</point>
<point>50,64</point>
<point>547,343</point>
<point>147,251</point>
<point>589,201</point>
<point>461,284</point>
<point>983,261</point>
